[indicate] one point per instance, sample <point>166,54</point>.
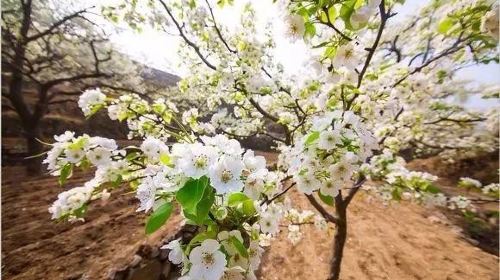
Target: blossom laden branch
<point>183,35</point>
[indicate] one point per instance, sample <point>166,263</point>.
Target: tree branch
<point>355,188</point>
<point>455,120</point>
<point>330,24</point>
<point>383,19</point>
<point>189,42</point>
<point>218,30</point>
<point>55,25</point>
<point>329,217</point>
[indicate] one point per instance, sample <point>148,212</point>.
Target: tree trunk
<point>34,147</point>
<point>339,239</point>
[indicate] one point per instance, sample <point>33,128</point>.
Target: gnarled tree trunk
<point>34,147</point>
<point>339,238</point>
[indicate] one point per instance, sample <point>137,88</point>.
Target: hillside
<point>66,115</point>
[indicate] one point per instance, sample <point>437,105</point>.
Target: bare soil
<point>35,247</point>
<point>399,241</point>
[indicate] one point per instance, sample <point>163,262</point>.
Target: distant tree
<point>55,47</point>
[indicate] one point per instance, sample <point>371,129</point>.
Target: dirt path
<point>34,247</point>
<point>394,242</point>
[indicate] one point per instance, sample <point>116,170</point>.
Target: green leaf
<point>330,52</point>
<point>66,172</point>
<point>323,17</point>
<point>396,194</point>
<point>432,189</point>
<point>200,237</point>
<point>239,246</point>
<point>131,156</point>
<point>236,198</point>
<point>94,109</point>
<point>332,14</point>
<point>134,184</point>
<point>191,193</point>
<point>196,199</point>
<point>242,203</point>
<point>80,212</point>
<point>445,25</point>
<point>203,207</point>
<point>328,200</point>
<point>303,12</point>
<point>310,30</point>
<point>222,3</point>
<point>158,218</point>
<point>248,208</point>
<point>78,144</point>
<point>118,181</point>
<point>313,136</point>
<point>346,11</point>
<point>85,164</point>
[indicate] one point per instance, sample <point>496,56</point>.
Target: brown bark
<point>339,238</point>
<point>33,165</point>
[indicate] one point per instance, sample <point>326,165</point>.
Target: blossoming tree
<point>370,89</point>
<point>54,49</point>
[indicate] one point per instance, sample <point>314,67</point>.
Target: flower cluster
<point>466,182</point>
<point>91,100</point>
<point>459,202</point>
<point>491,189</point>
<point>329,157</point>
<point>69,150</point>
<point>208,179</point>
<point>219,258</point>
<point>71,203</point>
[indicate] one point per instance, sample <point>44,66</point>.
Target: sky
<point>158,49</point>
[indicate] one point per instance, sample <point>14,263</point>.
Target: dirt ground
<point>35,247</point>
<point>399,241</point>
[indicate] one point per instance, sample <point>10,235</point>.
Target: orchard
<point>372,87</point>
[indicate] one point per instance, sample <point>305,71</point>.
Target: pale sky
<point>158,49</point>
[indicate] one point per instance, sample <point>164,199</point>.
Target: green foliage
<point>347,9</point>
<point>239,246</point>
<point>222,3</point>
<point>236,198</point>
<point>313,136</point>
<point>310,30</point>
<point>65,173</point>
<point>445,25</point>
<point>200,237</point>
<point>191,193</point>
<point>242,203</point>
<point>80,212</point>
<point>432,189</point>
<point>196,198</point>
<point>328,200</point>
<point>158,218</point>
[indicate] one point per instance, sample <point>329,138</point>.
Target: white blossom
<point>225,175</point>
<point>89,99</point>
<point>328,140</point>
<point>176,255</point>
<point>99,156</point>
<point>208,262</point>
<point>295,27</point>
<point>71,200</point>
<point>153,148</point>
